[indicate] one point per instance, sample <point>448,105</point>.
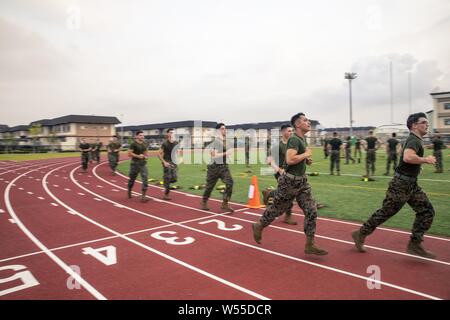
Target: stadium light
<point>350,76</point>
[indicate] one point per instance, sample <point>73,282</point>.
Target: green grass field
<point>37,156</point>
<point>346,197</point>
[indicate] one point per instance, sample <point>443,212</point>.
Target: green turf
<point>37,156</point>
<point>346,197</point>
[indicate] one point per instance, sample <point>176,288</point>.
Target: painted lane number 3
<point>172,240</point>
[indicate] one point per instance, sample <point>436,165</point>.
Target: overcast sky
<point>234,61</point>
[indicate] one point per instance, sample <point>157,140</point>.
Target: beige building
<point>63,133</point>
<point>441,112</point>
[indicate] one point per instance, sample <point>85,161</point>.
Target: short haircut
<point>394,134</point>
<point>285,126</point>
<point>295,117</point>
<point>219,125</point>
<point>370,131</point>
<point>413,118</point>
<point>138,132</point>
<point>170,129</point>
<point>335,134</point>
<point>348,138</point>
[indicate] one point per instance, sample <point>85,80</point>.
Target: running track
<point>71,235</point>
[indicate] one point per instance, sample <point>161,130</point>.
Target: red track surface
<point>59,212</point>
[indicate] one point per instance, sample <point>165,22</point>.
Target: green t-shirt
<point>438,144</point>
<point>392,143</point>
<point>113,146</point>
<point>279,153</point>
<point>167,148</point>
<point>138,148</point>
<point>408,169</point>
<point>220,147</point>
<point>84,146</point>
<point>335,144</point>
<point>371,142</point>
<point>299,144</point>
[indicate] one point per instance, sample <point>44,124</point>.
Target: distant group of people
<point>91,152</point>
<point>332,148</point>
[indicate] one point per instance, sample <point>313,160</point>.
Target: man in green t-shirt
<point>167,155</point>
<point>113,148</point>
<point>438,145</point>
<point>403,188</point>
<point>391,150</point>
<point>334,147</point>
<point>218,169</point>
<point>371,145</point>
<point>294,184</point>
<point>85,149</point>
<point>138,152</point>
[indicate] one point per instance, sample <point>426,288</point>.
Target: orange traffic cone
<point>254,200</point>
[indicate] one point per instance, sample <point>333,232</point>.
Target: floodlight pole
<point>350,76</point>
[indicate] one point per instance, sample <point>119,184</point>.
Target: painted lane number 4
<point>108,258</point>
<point>25,276</point>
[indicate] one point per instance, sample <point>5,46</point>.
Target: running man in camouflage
<point>403,188</point>
<point>85,149</point>
<point>113,148</point>
<point>218,169</point>
<point>294,185</point>
<point>138,152</point>
<point>167,155</point>
<point>438,145</point>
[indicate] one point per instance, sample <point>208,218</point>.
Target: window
<point>447,106</point>
<point>447,121</point>
<point>66,128</point>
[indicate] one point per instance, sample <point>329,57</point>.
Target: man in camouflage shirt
<point>218,169</point>
<point>113,148</point>
<point>294,184</point>
<point>403,188</point>
<point>138,152</point>
<point>167,155</point>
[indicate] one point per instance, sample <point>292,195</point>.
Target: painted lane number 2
<point>221,225</point>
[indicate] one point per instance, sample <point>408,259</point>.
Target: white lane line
<point>54,204</point>
<point>41,198</point>
<point>29,192</point>
<point>41,246</point>
<point>56,186</point>
<point>2,211</point>
<point>37,179</point>
<point>324,237</point>
<point>86,183</point>
<point>262,249</point>
<point>81,194</point>
<point>115,190</point>
<point>99,186</point>
<point>71,212</point>
<point>97,199</point>
<point>180,262</point>
<point>318,218</point>
<point>67,189</point>
<point>12,221</point>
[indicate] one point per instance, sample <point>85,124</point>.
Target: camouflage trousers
<point>113,159</point>
<point>371,157</point>
<point>357,153</point>
<point>348,155</point>
<point>216,172</point>
<point>400,192</point>
<point>170,175</point>
<point>392,157</point>
<point>272,196</point>
<point>95,156</point>
<point>438,165</point>
<point>335,160</point>
<point>136,168</point>
<point>84,160</point>
<point>289,189</point>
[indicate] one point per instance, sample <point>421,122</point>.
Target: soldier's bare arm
<point>410,156</point>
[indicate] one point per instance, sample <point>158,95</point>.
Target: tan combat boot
<point>257,231</point>
<point>166,196</point>
<point>310,248</point>
<point>359,241</point>
<point>204,205</point>
<point>225,206</point>
<point>415,248</point>
<point>289,220</point>
<point>144,197</point>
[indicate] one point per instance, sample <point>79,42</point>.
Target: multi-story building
<point>440,116</point>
